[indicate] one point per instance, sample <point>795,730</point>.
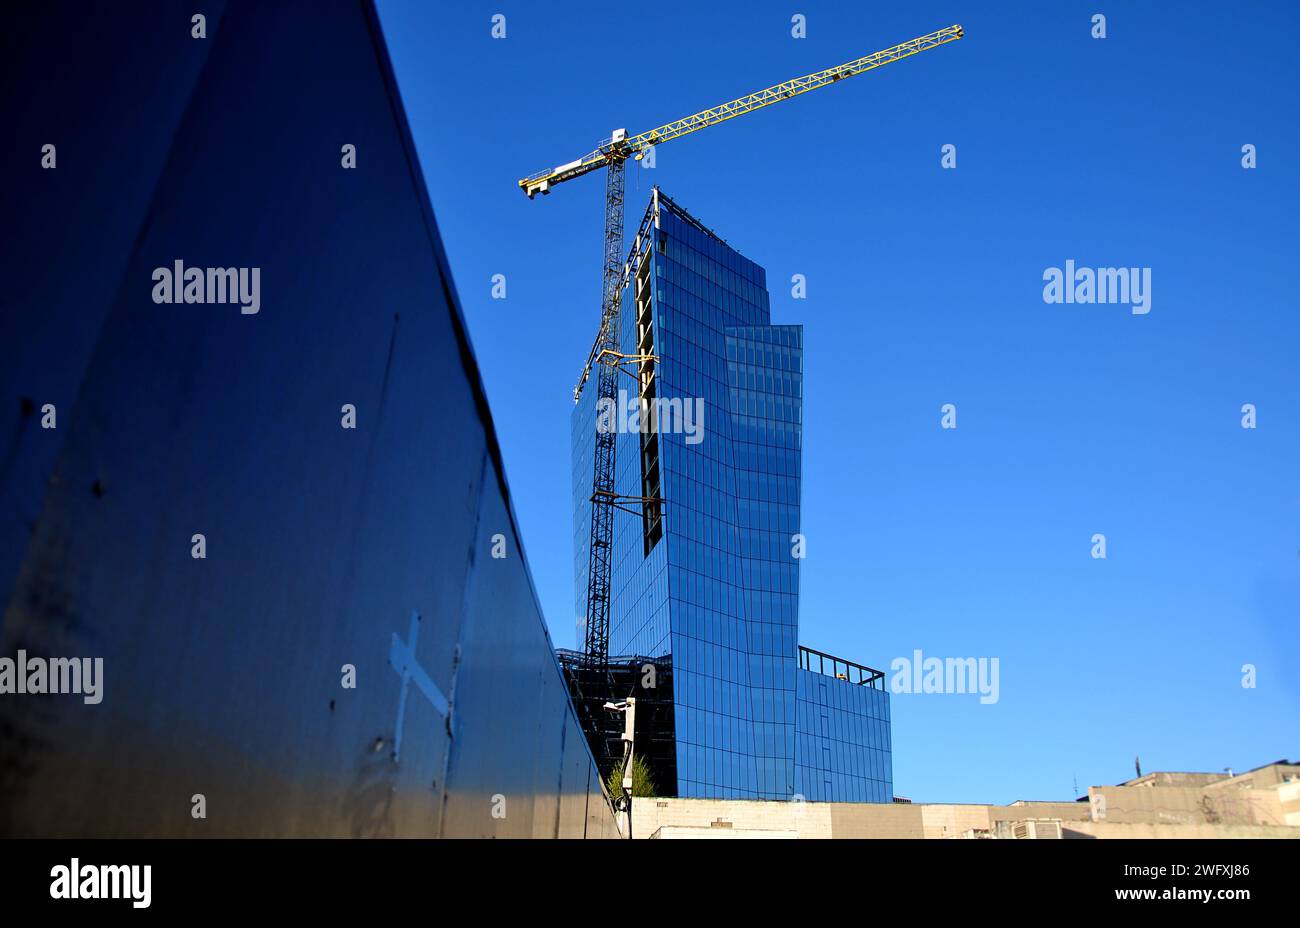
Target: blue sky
<point>925,287</point>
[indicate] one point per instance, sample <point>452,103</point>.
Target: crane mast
<point>613,155</point>
<point>603,497</point>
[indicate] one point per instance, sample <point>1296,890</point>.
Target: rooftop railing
<point>840,669</point>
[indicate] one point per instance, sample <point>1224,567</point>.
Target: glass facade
<point>844,743</point>
<point>718,587</point>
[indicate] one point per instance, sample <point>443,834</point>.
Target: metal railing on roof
<point>841,669</point>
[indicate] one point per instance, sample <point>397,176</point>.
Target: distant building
<point>1263,803</point>
<point>708,580</point>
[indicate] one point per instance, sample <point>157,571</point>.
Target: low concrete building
<point>1262,803</point>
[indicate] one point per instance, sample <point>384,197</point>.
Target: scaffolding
<point>647,679</point>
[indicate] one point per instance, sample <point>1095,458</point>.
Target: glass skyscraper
<point>709,578</point>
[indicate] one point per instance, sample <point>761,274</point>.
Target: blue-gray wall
<point>223,675</point>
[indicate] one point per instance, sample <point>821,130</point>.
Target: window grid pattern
<point>765,380</point>
<point>844,746</point>
<point>703,288</point>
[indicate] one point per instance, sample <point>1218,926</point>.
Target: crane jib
<point>621,147</point>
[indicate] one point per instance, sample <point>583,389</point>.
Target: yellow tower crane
<point>612,155</point>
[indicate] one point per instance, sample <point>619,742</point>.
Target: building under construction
<point>686,474</point>
<point>705,544</point>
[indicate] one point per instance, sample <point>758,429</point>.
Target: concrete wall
<point>838,819</point>
<point>666,818</point>
<point>804,819</point>
<point>222,675</point>
<point>1230,805</point>
<point>670,831</point>
<point>1288,800</point>
<point>1268,795</point>
<point>1170,804</point>
<point>1112,830</point>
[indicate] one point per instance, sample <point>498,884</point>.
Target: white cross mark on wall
<point>401,655</point>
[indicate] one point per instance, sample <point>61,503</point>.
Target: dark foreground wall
<point>223,675</point>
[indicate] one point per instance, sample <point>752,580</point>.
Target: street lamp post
<point>624,803</point>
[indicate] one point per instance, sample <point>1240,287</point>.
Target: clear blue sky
<point>924,288</point>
